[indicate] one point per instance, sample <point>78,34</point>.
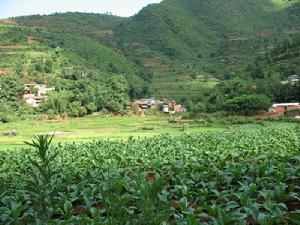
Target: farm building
<point>34,94</point>
<point>39,89</point>
<point>167,107</point>
<point>145,104</point>
<point>283,107</point>
<point>35,101</point>
<point>172,108</point>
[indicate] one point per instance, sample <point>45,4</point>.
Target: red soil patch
<point>4,72</point>
<point>149,63</point>
<point>78,210</point>
<point>150,176</point>
<point>8,22</point>
<point>250,221</point>
<point>176,205</point>
<point>263,34</point>
<point>268,115</point>
<point>293,205</point>
<point>30,39</point>
<point>105,32</point>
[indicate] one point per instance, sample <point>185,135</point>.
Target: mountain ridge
<point>176,40</point>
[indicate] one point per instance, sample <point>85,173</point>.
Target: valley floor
<point>107,127</point>
<point>93,127</point>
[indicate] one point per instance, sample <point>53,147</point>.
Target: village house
<point>40,89</point>
<point>172,108</point>
<point>35,101</point>
<point>167,107</point>
<point>292,79</point>
<point>283,107</point>
<point>34,94</point>
<point>145,104</point>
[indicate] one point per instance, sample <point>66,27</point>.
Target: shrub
<point>247,104</point>
<point>147,128</point>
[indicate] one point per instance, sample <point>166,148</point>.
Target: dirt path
<point>9,53</point>
<point>12,46</point>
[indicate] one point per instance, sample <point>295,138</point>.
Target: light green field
<point>95,127</point>
<point>108,127</point>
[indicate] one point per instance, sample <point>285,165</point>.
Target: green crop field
<point>94,127</point>
<point>237,177</point>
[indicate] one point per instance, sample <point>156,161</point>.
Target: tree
<point>137,87</point>
<point>76,110</point>
<point>248,104</point>
<point>57,102</point>
<point>5,112</point>
<point>10,89</point>
<point>198,108</point>
<point>117,96</point>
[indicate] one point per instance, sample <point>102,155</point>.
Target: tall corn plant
<point>42,183</point>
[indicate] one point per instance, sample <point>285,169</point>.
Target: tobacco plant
<point>243,178</point>
<point>41,185</point>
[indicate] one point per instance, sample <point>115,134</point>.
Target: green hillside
<point>283,60</point>
<point>88,76</point>
<point>184,40</point>
<point>188,45</point>
<point>68,33</point>
<point>182,29</point>
<point>286,58</point>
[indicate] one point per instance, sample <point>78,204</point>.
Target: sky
<point>10,8</point>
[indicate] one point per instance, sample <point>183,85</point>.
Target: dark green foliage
<point>117,100</point>
<point>87,95</point>
<point>84,23</point>
<point>284,60</point>
<point>293,113</point>
<point>248,104</point>
<point>6,112</point>
<point>269,71</point>
<point>14,35</point>
<point>10,88</point>
<point>227,90</point>
<point>179,40</point>
<point>216,30</point>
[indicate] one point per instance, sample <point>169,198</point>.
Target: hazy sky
<point>9,8</point>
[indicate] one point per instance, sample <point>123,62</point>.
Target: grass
<point>94,127</point>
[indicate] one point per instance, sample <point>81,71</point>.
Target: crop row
<point>221,178</point>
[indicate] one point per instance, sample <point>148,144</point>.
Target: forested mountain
<point>215,31</point>
<point>283,59</point>
<point>176,49</point>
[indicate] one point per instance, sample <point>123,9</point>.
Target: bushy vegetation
<point>214,35</point>
<point>88,77</point>
<point>221,178</point>
<point>176,49</point>
<point>261,83</point>
<point>85,96</point>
